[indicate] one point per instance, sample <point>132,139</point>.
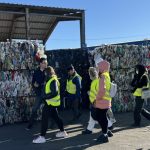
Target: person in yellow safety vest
<point>73,90</point>
<point>92,96</point>
<point>103,99</point>
<point>139,81</point>
<point>52,101</point>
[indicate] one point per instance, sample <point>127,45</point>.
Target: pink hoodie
<point>101,103</point>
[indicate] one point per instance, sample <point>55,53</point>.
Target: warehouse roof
<point>32,22</point>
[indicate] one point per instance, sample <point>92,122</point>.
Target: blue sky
<point>107,21</point>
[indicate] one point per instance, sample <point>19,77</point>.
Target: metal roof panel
<point>40,22</point>
<point>37,6</point>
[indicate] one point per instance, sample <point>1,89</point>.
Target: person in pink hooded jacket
<point>103,99</point>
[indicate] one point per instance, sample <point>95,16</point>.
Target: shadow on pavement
<point>15,137</point>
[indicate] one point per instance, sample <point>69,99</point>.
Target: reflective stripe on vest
<point>94,90</point>
<point>107,86</point>
<point>71,87</point>
<point>55,101</point>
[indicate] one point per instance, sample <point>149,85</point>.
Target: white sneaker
<point>39,139</point>
<point>61,134</point>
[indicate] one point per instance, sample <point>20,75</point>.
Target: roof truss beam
<point>51,28</point>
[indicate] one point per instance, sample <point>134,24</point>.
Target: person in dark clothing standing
<point>73,88</point>
<point>37,84</point>
<point>139,82</point>
<point>51,99</point>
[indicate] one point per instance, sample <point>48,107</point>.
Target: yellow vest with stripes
<point>71,87</point>
<point>94,89</point>
<point>55,101</point>
<point>107,86</point>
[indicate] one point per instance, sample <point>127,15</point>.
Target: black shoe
<point>109,133</point>
<point>86,132</point>
<point>111,128</point>
<point>102,139</point>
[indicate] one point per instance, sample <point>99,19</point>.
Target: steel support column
<point>82,31</point>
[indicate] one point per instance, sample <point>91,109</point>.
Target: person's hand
<point>36,84</point>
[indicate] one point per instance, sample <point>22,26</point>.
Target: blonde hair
<point>93,73</point>
<point>50,71</point>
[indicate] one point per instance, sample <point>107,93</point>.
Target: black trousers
<point>36,106</point>
<point>50,111</point>
<point>137,110</point>
<point>74,106</point>
<point>140,110</point>
<point>101,115</point>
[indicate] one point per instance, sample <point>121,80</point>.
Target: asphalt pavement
<point>15,137</point>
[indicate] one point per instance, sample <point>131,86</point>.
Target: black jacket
<point>141,79</point>
<point>39,77</point>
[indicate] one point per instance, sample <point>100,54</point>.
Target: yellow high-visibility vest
<point>95,87</point>
<point>55,101</point>
<point>107,86</point>
<point>71,87</point>
<point>94,90</point>
<point>138,91</point>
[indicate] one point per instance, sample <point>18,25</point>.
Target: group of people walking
<point>47,89</point>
